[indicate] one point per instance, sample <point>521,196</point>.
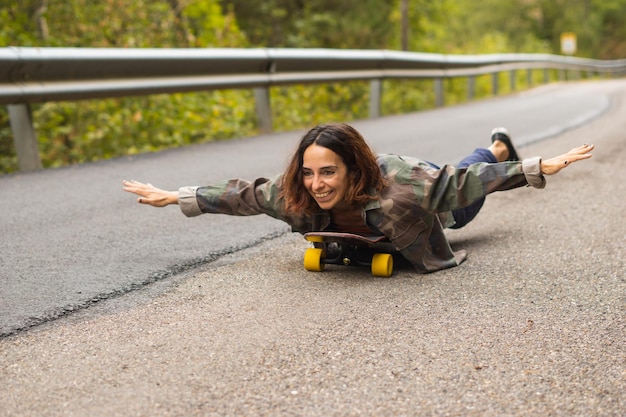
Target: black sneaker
<point>503,135</point>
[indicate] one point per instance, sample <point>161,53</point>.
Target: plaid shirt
<point>412,210</point>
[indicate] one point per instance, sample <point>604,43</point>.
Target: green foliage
<point>402,96</point>
<point>298,106</point>
<point>8,158</point>
<point>16,27</point>
<point>117,23</point>
<point>207,26</point>
<point>609,28</point>
<point>355,24</point>
<point>77,132</point>
<point>537,25</point>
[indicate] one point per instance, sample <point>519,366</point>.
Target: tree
<point>609,28</point>
<point>359,24</point>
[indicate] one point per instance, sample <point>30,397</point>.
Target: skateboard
<point>337,248</point>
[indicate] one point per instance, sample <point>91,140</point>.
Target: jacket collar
<point>374,203</point>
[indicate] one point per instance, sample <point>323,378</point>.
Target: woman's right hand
<point>149,194</point>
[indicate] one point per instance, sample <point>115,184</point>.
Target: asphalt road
<point>70,237</point>
<point>532,324</point>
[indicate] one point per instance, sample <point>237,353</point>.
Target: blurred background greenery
<point>83,131</point>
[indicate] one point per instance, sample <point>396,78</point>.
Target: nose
<point>318,183</point>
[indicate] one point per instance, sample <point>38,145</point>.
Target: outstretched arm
<point>451,188</point>
<point>149,194</point>
<point>553,165</point>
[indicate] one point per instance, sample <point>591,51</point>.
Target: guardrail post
<point>24,137</point>
<point>471,87</point>
<point>512,79</point>
<point>263,109</point>
<point>439,99</point>
<point>494,83</point>
<point>376,96</point>
<point>546,76</point>
<point>529,77</point>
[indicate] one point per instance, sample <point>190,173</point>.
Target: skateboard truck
<point>349,249</point>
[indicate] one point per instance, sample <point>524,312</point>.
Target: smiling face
<point>325,177</point>
<point>332,168</point>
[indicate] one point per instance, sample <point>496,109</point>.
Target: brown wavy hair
<point>345,141</point>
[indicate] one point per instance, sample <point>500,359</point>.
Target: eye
<point>328,172</point>
<point>307,173</point>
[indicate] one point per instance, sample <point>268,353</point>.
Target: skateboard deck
<point>338,248</point>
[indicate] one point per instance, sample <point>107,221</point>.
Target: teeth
<point>322,195</point>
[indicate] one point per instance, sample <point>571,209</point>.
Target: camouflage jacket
<point>412,210</point>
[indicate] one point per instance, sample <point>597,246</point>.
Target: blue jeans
<point>465,215</point>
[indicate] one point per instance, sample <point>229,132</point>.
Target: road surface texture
<point>70,238</point>
<point>532,324</point>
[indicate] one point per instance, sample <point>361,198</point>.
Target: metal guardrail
<point>31,75</point>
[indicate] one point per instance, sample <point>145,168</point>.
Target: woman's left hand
<point>553,165</point>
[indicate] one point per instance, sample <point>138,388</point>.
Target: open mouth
<point>322,196</point>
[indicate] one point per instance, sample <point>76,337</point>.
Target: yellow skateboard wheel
<point>382,265</point>
<point>313,259</point>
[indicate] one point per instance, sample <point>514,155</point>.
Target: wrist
<point>533,171</point>
<point>188,202</point>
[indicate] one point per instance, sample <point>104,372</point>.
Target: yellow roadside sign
<point>568,43</point>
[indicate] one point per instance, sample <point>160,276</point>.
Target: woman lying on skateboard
<point>335,182</point>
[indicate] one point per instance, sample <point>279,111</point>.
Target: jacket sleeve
<point>234,197</point>
<point>450,188</point>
